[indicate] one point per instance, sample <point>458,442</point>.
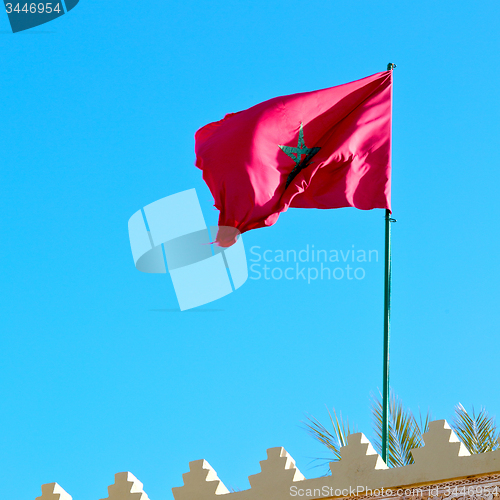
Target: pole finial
<point>390,66</point>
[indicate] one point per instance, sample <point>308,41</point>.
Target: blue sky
<point>99,371</point>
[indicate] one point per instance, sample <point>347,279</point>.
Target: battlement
<point>442,468</point>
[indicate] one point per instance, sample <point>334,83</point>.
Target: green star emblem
<point>296,155</point>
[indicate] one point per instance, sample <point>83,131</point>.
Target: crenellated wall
<point>126,487</point>
<point>443,468</point>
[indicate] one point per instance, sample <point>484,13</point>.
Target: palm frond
<point>405,432</point>
<point>478,433</point>
<point>333,439</point>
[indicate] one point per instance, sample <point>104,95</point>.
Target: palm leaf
<point>478,433</point>
<point>333,439</point>
<point>405,432</point>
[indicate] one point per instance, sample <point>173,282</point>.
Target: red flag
<point>324,149</point>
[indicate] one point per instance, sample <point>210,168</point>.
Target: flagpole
<point>387,327</point>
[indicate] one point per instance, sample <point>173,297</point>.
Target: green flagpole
<point>387,328</point>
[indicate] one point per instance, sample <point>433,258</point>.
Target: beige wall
<point>443,468</point>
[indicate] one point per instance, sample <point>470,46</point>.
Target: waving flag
<point>323,149</point>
